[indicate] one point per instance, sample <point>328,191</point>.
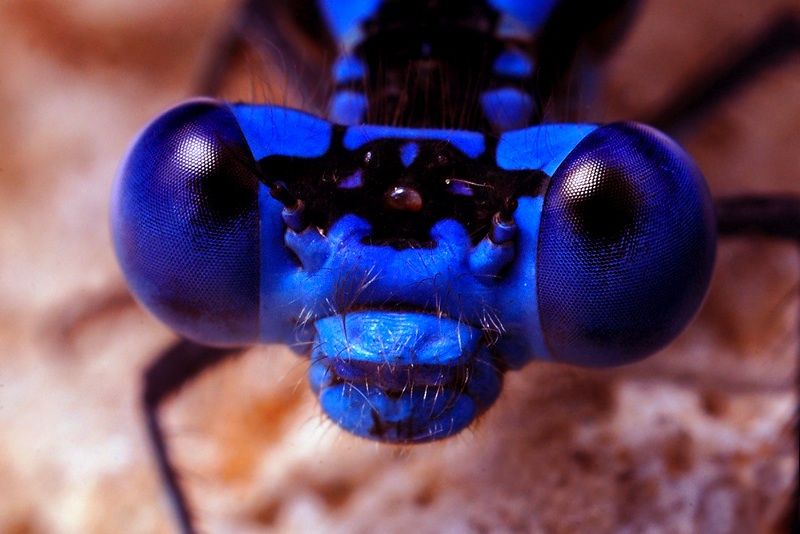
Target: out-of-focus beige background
<point>697,438</point>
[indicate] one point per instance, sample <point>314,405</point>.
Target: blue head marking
<point>472,144</point>
<point>348,107</point>
<point>408,153</point>
<point>276,130</point>
<point>513,63</point>
<point>348,69</point>
<point>507,108</point>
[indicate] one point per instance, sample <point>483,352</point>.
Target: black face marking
<point>401,202</point>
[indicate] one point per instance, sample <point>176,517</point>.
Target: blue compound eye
<point>626,247</point>
<point>185,224</point>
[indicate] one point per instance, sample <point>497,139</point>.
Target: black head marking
<point>401,187</point>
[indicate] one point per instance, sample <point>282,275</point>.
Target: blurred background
<point>697,438</point>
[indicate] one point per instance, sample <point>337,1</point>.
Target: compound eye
<point>626,247</point>
<point>185,221</point>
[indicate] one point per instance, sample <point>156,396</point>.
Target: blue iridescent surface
<point>411,344</point>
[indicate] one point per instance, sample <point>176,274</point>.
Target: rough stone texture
<point>697,438</point>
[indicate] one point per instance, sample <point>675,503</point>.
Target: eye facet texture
<point>185,224</point>
<point>626,247</point>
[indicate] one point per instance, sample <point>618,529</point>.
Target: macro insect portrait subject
<point>431,219</point>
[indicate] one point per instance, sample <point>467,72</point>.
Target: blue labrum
<point>412,316</point>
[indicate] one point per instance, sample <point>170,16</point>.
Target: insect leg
<point>176,366</point>
<point>775,216</point>
<point>773,45</point>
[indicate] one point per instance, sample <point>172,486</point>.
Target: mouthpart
<point>402,377</point>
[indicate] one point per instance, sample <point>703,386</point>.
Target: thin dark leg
<point>776,216</point>
<point>775,44</point>
<point>176,366</point>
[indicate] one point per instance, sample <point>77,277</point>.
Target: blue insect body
<point>415,265</point>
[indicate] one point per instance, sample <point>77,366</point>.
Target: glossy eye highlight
<point>626,247</point>
<point>603,203</point>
